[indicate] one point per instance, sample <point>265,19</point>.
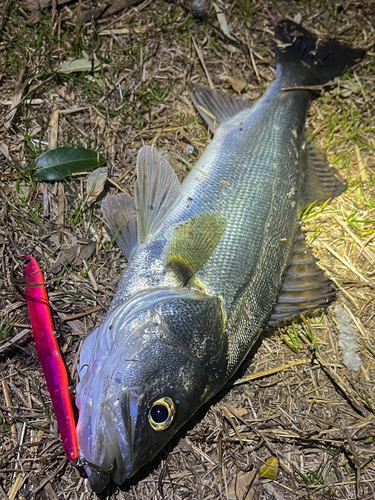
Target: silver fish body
<point>252,157</point>
<point>170,341</point>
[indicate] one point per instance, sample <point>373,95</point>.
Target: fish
<point>211,262</point>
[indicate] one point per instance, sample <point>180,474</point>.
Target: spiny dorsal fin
<point>156,191</point>
<point>215,106</point>
<point>120,215</point>
<point>305,287</point>
<point>323,181</point>
<point>193,243</point>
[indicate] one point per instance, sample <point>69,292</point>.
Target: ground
<point>294,400</point>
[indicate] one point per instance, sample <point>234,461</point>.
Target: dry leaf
<point>224,25</point>
<point>75,255</point>
<point>100,122</point>
<point>95,183</point>
<point>107,10</point>
<point>243,488</point>
<point>270,469</point>
<point>222,20</point>
<point>18,93</point>
<point>118,5</point>
<point>269,491</point>
<point>345,89</point>
<point>5,150</point>
<point>177,165</point>
<point>42,4</point>
<point>78,66</point>
<point>237,84</point>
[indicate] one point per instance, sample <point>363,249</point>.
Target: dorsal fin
<point>323,180</point>
<point>120,215</point>
<point>156,191</point>
<point>193,243</point>
<point>215,106</point>
<point>305,287</point>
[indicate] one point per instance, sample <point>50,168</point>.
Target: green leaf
<point>56,164</point>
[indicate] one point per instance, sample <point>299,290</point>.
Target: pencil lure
<point>49,354</point>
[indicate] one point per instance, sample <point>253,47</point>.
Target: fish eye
<point>161,413</point>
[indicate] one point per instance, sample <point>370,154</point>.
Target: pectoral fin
<point>156,191</point>
<point>120,215</point>
<point>193,243</point>
<point>305,286</point>
<point>323,180</point>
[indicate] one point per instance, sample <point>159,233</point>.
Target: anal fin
<point>305,287</point>
<point>120,215</point>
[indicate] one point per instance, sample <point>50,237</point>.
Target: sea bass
<point>211,262</point>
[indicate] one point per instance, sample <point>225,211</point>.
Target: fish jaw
<point>106,442</point>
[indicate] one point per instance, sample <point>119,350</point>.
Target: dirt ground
<point>294,400</point>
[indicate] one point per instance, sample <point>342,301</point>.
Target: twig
<point>116,185</point>
<point>3,494</point>
<point>200,57</point>
<point>14,339</point>
<point>306,87</point>
<point>48,479</point>
<point>231,421</point>
<point>365,251</point>
<point>17,98</point>
<point>346,263</point>
<point>198,450</point>
<point>272,17</point>
<point>154,140</point>
<point>252,58</point>
<point>16,486</point>
<point>8,402</point>
<point>51,494</point>
<point>347,391</point>
<point>3,15</point>
<point>271,371</point>
<point>79,315</point>
<point>357,464</point>
<point>332,278</point>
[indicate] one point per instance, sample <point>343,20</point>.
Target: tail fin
<point>307,61</point>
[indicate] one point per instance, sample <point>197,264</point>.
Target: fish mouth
<point>106,442</point>
<point>97,477</point>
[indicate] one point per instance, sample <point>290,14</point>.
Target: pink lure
<point>49,355</point>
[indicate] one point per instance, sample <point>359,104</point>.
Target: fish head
<point>144,373</point>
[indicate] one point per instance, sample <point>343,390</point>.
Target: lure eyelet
<point>26,262</point>
<point>161,413</point>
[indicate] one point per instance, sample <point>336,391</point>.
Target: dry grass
<point>301,405</point>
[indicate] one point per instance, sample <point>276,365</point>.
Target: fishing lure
<point>49,355</point>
